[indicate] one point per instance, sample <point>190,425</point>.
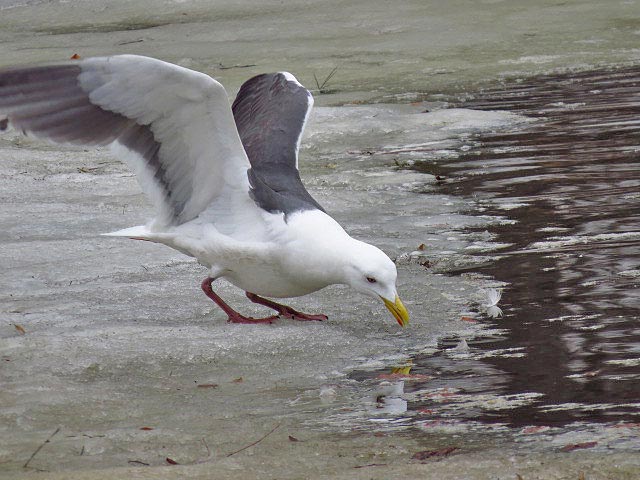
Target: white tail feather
<point>139,232</point>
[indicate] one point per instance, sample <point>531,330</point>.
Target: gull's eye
<point>371,280</point>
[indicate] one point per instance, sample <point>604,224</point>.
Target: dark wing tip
<point>49,102</point>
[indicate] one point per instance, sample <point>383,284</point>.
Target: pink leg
<point>234,317</point>
<point>284,310</point>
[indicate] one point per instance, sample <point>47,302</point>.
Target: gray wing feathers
<point>173,126</point>
<point>48,102</point>
<point>270,112</point>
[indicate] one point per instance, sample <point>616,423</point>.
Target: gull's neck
<point>320,246</point>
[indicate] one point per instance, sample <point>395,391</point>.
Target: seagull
<point>224,179</point>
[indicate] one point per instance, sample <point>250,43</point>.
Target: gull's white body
<point>278,259</point>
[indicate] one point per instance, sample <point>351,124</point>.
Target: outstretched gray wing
<point>172,125</point>
<point>270,113</point>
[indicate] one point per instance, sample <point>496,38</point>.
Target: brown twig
<point>204,442</point>
<point>26,464</point>
<point>205,459</point>
<point>371,465</point>
<point>326,80</point>
<point>390,152</point>
<point>256,442</point>
<point>132,41</point>
<point>223,67</point>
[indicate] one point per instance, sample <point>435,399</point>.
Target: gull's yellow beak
<point>397,309</point>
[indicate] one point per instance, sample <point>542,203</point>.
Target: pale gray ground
<point>118,335</point>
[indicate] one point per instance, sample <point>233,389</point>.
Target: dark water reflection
<point>572,182</point>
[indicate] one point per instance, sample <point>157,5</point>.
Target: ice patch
<point>552,229</point>
<point>627,362</point>
<point>535,59</point>
<point>511,206</point>
<point>559,242</point>
<point>630,273</point>
<point>487,246</point>
<point>420,133</point>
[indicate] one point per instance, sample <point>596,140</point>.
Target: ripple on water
<point>568,184</point>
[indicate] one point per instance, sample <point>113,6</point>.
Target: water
<point>569,348</point>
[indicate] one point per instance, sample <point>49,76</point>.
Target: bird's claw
<point>251,320</point>
<point>294,315</point>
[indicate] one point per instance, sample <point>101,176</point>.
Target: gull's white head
<point>369,270</point>
<point>340,258</point>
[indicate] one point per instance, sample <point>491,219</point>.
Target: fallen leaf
<point>20,329</point>
<point>405,370</point>
<point>293,439</point>
<point>401,376</point>
<point>576,446</point>
<point>428,411</point>
<point>440,393</point>
<point>171,461</point>
<point>75,56</point>
<point>535,429</point>
<point>627,425</point>
<point>146,428</point>
<point>441,452</point>
<point>468,319</point>
<point>208,385</point>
